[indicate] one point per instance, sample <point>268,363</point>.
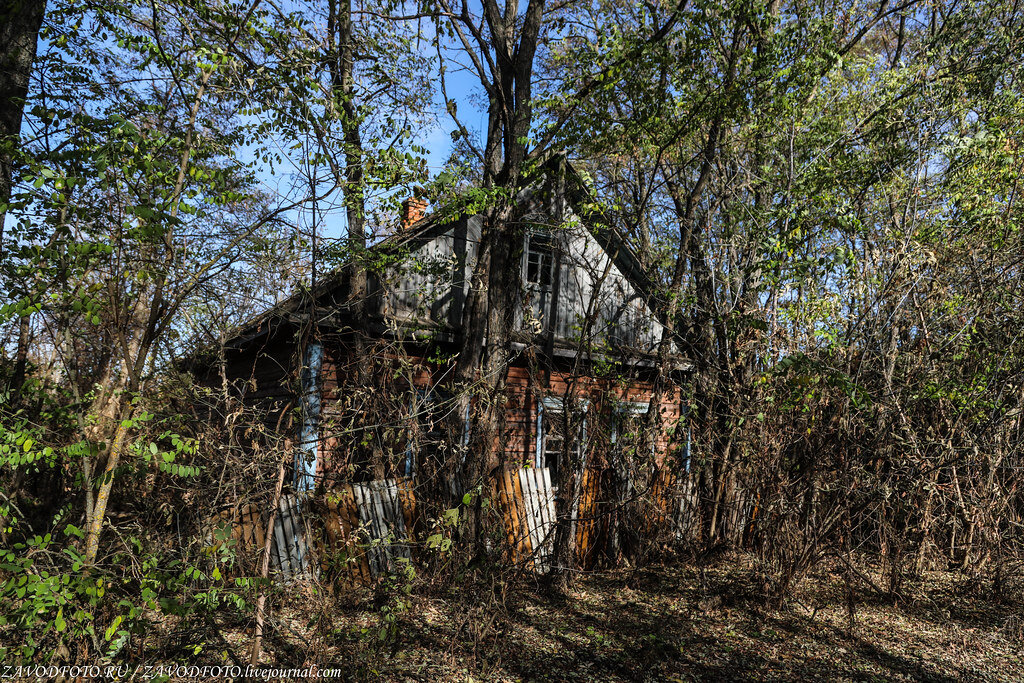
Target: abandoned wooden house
<point>577,390</point>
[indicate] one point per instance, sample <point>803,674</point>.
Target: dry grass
<point>669,623</point>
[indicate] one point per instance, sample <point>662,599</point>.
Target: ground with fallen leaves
<point>677,622</point>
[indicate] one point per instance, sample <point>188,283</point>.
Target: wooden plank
<point>578,492</point>
<point>501,495</point>
<point>520,538</point>
<point>285,522</point>
<point>539,515</point>
<point>586,514</point>
<point>538,526</point>
<point>381,522</point>
<point>396,519</point>
<point>532,513</point>
<point>352,511</point>
<point>505,490</point>
<point>593,490</point>
<point>407,503</point>
<point>382,507</point>
<point>537,501</point>
<point>548,500</point>
<point>291,521</point>
<point>523,517</point>
<point>300,547</point>
<point>279,546</point>
<point>377,526</point>
<point>380,515</point>
<point>517,511</point>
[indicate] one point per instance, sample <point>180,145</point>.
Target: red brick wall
<point>524,390</point>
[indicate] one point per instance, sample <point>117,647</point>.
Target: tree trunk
<point>491,306</point>
<point>20,21</point>
<point>261,600</point>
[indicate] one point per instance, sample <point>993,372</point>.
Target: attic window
<point>540,260</point>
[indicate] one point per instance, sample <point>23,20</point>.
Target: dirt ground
<point>677,622</point>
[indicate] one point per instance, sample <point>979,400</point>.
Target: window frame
<point>625,408</point>
<point>540,287</point>
<point>546,249</point>
<point>426,399</point>
<point>553,404</point>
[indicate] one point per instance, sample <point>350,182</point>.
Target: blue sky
<point>435,135</point>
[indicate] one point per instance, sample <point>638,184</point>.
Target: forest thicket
<point>825,194</point>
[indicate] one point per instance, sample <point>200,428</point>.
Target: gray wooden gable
<point>584,283</point>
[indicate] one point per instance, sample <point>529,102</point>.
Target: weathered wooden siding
<point>263,376</point>
<point>430,289</point>
<point>593,288</point>
<point>290,552</point>
<point>290,548</point>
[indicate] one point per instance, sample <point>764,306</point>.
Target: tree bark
<point>20,21</point>
<point>489,316</point>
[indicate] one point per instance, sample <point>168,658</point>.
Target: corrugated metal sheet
<point>289,551</point>
<point>539,502</point>
<point>382,523</point>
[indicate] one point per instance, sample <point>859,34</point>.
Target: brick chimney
<point>413,209</point>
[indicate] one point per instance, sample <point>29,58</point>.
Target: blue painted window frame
<point>553,403</point>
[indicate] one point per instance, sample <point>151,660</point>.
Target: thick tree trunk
<point>491,306</point>
<point>352,177</point>
<point>488,326</point>
<point>20,21</point>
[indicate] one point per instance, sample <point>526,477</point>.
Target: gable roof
<point>577,193</point>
